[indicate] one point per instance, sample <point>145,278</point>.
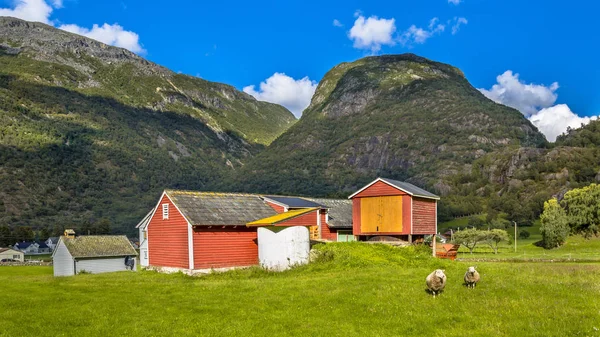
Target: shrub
<point>555,227</point>
<point>523,234</point>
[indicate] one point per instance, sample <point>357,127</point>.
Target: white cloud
<point>284,90</point>
<point>454,2</point>
<point>41,10</point>
<point>457,23</point>
<point>337,23</point>
<point>554,120</point>
<point>527,98</point>
<point>30,10</point>
<point>536,102</point>
<point>371,33</point>
<point>113,35</point>
<point>419,35</point>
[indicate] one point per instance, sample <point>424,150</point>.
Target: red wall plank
<point>308,219</point>
<point>225,247</point>
<point>379,189</point>
<point>424,214</point>
<point>168,239</point>
<point>277,208</point>
<point>356,216</point>
<point>327,233</point>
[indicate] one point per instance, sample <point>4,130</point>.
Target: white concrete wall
<point>101,265</point>
<point>279,248</point>
<point>62,261</point>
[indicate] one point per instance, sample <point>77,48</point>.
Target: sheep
<point>436,281</point>
<point>471,277</point>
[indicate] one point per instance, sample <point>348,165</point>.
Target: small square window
<point>145,234</point>
<point>165,211</point>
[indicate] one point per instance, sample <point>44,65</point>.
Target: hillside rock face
<point>89,131</point>
<point>400,116</point>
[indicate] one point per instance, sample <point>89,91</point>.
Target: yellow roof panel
<point>275,219</point>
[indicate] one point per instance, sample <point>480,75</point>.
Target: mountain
<point>90,132</point>
<point>399,116</point>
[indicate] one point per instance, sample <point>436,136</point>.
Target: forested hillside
<point>90,133</point>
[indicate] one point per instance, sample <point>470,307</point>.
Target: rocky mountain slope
<point>400,116</point>
<point>89,131</point>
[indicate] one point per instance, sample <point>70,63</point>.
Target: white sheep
<point>471,277</point>
<point>436,281</point>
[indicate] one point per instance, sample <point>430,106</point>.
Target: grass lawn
<point>353,290</point>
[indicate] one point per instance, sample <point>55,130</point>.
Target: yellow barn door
<point>381,214</point>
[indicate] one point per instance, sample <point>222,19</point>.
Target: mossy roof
<point>99,246</point>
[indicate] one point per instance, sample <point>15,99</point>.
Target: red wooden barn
<point>204,230</point>
<point>390,208</point>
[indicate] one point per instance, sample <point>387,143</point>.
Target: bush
<point>523,234</point>
<point>555,227</point>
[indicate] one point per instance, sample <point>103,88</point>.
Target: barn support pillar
<point>409,238</point>
<point>433,244</point>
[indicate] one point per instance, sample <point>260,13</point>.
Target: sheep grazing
<point>471,277</point>
<point>436,281</point>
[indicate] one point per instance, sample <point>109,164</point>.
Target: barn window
<point>165,211</point>
<point>16,257</point>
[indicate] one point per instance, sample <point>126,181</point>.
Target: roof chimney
<point>69,233</point>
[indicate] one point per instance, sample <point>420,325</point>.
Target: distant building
<point>8,254</point>
<point>52,242</point>
<point>93,254</point>
<point>32,247</point>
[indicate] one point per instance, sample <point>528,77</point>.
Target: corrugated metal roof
<point>410,188</point>
<point>99,246</point>
<point>294,202</point>
<point>220,209</point>
<point>340,211</point>
<point>275,219</point>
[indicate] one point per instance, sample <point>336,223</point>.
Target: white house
<point>11,254</point>
<point>143,232</point>
<point>52,242</point>
<point>93,254</point>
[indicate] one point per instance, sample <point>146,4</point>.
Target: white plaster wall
<point>279,248</point>
<point>101,265</point>
<point>144,258</point>
<point>62,261</point>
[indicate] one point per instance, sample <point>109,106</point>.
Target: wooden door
<point>381,214</point>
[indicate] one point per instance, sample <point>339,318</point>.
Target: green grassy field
<point>353,290</point>
<point>576,248</point>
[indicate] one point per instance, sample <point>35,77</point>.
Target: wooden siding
<point>327,233</point>
<point>381,214</point>
<point>62,261</point>
<point>101,265</point>
<point>356,216</point>
<point>379,189</point>
<point>224,247</point>
<point>424,214</point>
<point>308,219</point>
<point>277,208</point>
<point>168,238</point>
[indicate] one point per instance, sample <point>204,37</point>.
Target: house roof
<point>340,211</point>
<point>23,244</point>
<point>293,202</point>
<point>145,220</point>
<point>220,209</point>
<point>2,250</point>
<point>53,239</point>
<point>42,244</point>
<point>278,218</point>
<point>99,246</point>
<point>404,186</point>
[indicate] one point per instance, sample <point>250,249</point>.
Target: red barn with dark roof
<point>395,209</point>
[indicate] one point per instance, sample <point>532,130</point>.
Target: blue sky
<point>245,43</point>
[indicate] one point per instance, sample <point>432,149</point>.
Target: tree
<point>468,238</point>
<point>582,206</point>
<point>475,221</point>
<point>103,226</point>
<point>524,234</point>
<point>5,236</point>
<point>493,237</point>
<point>555,228</point>
<point>24,234</point>
<point>499,224</point>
